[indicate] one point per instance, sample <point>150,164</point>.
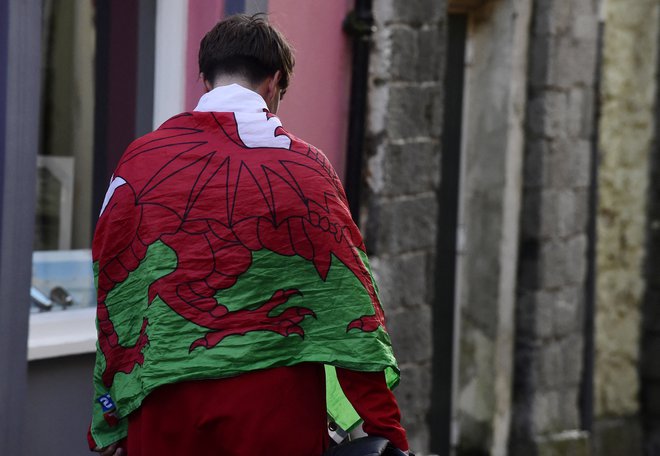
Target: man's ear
<point>208,85</point>
<point>273,83</point>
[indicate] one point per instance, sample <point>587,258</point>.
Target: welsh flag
<point>225,245</point>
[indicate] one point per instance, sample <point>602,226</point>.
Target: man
<point>229,272</point>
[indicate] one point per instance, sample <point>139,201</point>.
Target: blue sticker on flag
<point>106,402</point>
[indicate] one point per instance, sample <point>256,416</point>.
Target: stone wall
<point>626,134</point>
<point>493,141</point>
<point>400,205</point>
<point>553,261</point>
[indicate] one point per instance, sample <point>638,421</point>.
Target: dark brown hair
<point>246,46</point>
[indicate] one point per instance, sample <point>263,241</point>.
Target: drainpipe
<point>359,24</point>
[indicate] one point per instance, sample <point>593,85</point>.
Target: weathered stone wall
<point>400,205</point>
<point>629,65</point>
<point>552,262</point>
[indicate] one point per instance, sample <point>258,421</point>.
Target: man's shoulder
<point>300,145</point>
<point>184,123</point>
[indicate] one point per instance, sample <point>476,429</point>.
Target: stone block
<point>432,53</point>
<point>571,351</point>
<point>585,24</point>
<point>410,331</point>
<point>549,364</point>
<point>405,53</point>
<point>556,114</point>
<point>537,164</point>
<point>412,110</point>
<point>547,114</point>
<point>555,208</point>
<point>583,100</point>
<point>563,212</point>
<point>414,392</point>
<point>567,208</point>
<point>569,408</point>
<point>402,225</point>
<point>557,212</point>
<point>576,260</point>
<point>535,314</point>
<point>579,223</point>
<point>562,62</point>
<point>577,109</point>
<point>575,62</point>
<point>567,317</point>
<point>569,163</point>
<point>402,280</point>
<point>552,264</point>
<point>562,262</point>
<point>418,12</point>
<point>411,168</point>
<point>545,417</point>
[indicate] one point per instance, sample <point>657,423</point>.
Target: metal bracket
<point>359,26</point>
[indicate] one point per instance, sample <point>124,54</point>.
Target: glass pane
<point>64,185</point>
<point>62,280</point>
<point>62,277</point>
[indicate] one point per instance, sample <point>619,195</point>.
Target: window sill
<point>62,333</point>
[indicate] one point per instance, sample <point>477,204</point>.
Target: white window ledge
<point>62,333</point>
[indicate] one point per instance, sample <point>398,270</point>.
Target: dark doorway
<point>444,309</point>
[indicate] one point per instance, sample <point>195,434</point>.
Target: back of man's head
<point>247,47</point>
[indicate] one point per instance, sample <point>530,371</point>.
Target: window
<point>63,219</point>
<point>96,97</point>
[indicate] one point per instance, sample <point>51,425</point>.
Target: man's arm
<point>375,403</point>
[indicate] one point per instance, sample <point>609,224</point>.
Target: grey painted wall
<point>18,150</point>
<point>58,406</point>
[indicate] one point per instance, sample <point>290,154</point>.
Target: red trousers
<point>274,412</point>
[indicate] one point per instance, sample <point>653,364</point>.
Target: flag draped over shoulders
<point>225,245</point>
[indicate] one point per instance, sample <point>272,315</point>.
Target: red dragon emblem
<point>194,185</point>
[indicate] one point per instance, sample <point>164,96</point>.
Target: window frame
<point>20,65</point>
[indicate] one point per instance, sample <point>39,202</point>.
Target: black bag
<point>365,446</point>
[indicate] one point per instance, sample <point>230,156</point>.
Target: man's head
<point>247,49</point>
